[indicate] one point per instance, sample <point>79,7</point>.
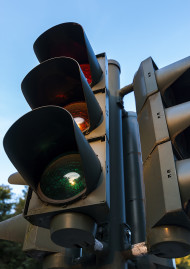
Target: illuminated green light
<point>63,180</point>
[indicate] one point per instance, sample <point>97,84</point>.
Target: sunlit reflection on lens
<point>72,177</point>
<point>63,179</point>
<point>79,112</point>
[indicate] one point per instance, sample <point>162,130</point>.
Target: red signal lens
<point>69,40</point>
<point>86,71</point>
<point>74,50</point>
<point>79,112</point>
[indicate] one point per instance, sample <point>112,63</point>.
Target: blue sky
<point>128,31</point>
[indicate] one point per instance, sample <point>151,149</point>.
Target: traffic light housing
<point>60,81</point>
<point>67,170</point>
<point>69,40</point>
<point>164,121</point>
<point>36,242</point>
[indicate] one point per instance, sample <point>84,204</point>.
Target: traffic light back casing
<point>164,127</point>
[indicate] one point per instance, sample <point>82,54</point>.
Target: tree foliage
<point>183,263</point>
<point>11,254</point>
<point>19,206</point>
<point>5,204</point>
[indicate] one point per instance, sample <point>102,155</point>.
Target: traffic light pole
<point>134,197</point>
<point>133,172</point>
<point>134,193</point>
<point>62,260</point>
<point>117,200</point>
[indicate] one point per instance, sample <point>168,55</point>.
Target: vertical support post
<point>62,260</point>
<point>133,174</point>
<point>117,200</point>
<point>134,193</point>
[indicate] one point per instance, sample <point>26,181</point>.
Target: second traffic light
<point>162,101</point>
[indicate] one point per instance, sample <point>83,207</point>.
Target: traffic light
<point>163,105</point>
<point>60,81</point>
<point>36,242</point>
<point>69,40</point>
<point>13,229</point>
<point>38,245</point>
<point>63,172</point>
<point>61,148</point>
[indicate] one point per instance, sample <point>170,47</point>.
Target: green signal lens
<point>63,180</point>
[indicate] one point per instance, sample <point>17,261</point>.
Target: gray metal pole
<point>134,197</point>
<point>62,260</point>
<point>133,172</point>
<point>134,193</point>
<point>114,260</point>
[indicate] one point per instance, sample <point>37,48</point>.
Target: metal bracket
<point>102,90</point>
<point>93,139</point>
<point>120,102</point>
<point>103,232</point>
<point>126,236</point>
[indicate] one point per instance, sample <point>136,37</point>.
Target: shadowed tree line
<point>183,263</point>
<point>11,254</point>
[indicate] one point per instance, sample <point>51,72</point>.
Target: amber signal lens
<point>79,112</point>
